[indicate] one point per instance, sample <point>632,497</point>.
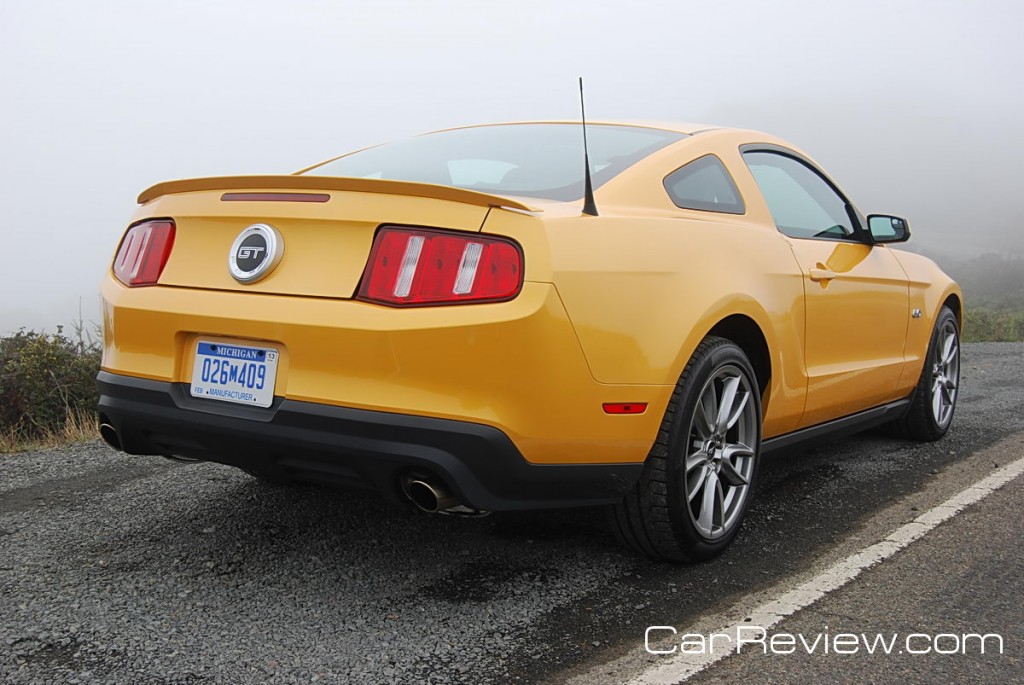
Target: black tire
<point>658,518</point>
<point>929,417</point>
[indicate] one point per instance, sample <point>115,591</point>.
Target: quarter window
<point>704,184</point>
<point>802,203</point>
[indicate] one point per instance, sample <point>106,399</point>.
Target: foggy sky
<point>914,107</point>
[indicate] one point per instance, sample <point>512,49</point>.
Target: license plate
<point>235,373</point>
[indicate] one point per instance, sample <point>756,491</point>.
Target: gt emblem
<point>916,313</point>
<point>250,252</point>
<point>255,253</point>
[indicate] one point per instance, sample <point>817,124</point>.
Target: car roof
<point>677,127</point>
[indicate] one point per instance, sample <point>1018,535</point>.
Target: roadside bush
<point>993,325</point>
<point>46,382</point>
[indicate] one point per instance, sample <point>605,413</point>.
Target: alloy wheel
<point>720,459</point>
<point>945,374</point>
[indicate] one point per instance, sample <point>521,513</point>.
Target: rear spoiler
<point>357,185</point>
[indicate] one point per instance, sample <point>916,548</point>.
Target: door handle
<point>821,273</point>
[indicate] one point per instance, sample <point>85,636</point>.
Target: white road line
<point>680,667</point>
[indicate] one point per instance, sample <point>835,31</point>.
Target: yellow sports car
<point>480,320</point>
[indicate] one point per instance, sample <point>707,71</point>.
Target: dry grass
<point>80,426</point>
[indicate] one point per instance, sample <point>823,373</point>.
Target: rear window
<point>533,160</point>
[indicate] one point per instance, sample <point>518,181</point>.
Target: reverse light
<point>415,267</point>
<point>144,251</point>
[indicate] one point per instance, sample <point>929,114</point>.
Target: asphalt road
<point>965,579</point>
<point>128,569</point>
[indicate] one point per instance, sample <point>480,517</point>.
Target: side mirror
<point>888,229</point>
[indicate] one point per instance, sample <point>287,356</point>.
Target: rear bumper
<point>516,366</point>
<point>351,447</point>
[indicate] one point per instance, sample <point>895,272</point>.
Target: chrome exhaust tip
<point>109,435</point>
<point>430,497</point>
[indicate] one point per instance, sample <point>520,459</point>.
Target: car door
<point>856,295</point>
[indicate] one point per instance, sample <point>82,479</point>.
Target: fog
<point>914,107</point>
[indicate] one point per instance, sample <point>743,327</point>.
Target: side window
<point>802,203</point>
<point>704,184</point>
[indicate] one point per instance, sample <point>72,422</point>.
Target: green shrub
<point>993,325</point>
<point>45,379</point>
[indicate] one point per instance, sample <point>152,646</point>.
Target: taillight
<point>414,266</point>
<point>144,251</point>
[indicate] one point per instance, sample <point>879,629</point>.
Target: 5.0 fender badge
<point>255,253</point>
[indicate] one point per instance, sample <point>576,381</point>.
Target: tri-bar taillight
<point>416,266</point>
<point>144,251</point>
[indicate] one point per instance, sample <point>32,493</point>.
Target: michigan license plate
<point>235,373</point>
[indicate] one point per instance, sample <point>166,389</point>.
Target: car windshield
<point>534,160</point>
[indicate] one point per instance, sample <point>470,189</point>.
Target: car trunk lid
<point>326,226</point>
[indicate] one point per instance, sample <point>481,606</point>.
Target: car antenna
<point>588,187</point>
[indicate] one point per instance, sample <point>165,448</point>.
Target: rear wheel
<point>931,409</point>
<point>698,479</point>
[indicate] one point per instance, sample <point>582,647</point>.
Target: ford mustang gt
<point>476,320</point>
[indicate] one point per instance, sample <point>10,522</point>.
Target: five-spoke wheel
<point>698,478</point>
<point>945,373</point>
<point>722,435</point>
<point>934,400</point>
